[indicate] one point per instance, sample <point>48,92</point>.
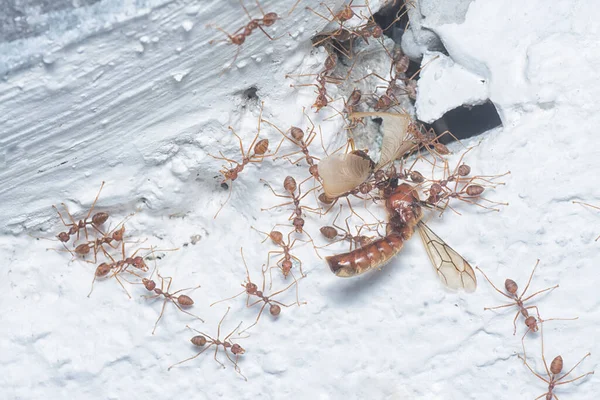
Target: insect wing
<point>343,172</point>
<point>453,270</point>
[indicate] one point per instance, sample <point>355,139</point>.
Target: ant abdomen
<point>275,310</point>
<point>185,300</point>
<point>198,340</point>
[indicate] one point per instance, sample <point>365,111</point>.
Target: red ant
<point>330,232</point>
<point>119,266</point>
<point>251,289</point>
<point>74,227</point>
<point>511,288</point>
<point>467,189</point>
<point>180,301</point>
<point>96,245</point>
<point>296,136</point>
<point>553,372</point>
<point>290,186</point>
<point>286,259</point>
<point>256,154</point>
<point>202,339</point>
<point>239,37</point>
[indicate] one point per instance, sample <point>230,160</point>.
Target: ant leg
<point>515,322</point>
<point>229,298</point>
<point>95,200</point>
<point>186,312</point>
<point>220,322</point>
<point>530,277</point>
<point>576,379</point>
<point>160,316</point>
<point>123,286</point>
<point>494,286</point>
<point>233,331</point>
<point>235,366</point>
<point>226,200</point>
<point>275,193</point>
<point>523,344</point>
<point>502,306</point>
<point>571,370</point>
<point>541,291</point>
<point>257,318</point>
<point>535,373</point>
<point>191,358</point>
<point>61,217</point>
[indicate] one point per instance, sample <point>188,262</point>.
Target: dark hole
<point>467,121</point>
<point>250,93</point>
<point>225,186</point>
<point>386,17</point>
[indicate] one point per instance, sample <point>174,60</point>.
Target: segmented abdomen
<point>374,255</point>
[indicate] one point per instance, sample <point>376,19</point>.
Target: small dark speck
<point>185,244</point>
<point>224,185</point>
<point>456,305</point>
<point>425,304</point>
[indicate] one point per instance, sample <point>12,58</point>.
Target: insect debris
<point>202,339</point>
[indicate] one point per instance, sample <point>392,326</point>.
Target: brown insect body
<point>405,212</point>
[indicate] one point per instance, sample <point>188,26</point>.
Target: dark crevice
<point>466,121</point>
<point>250,93</point>
<point>386,17</point>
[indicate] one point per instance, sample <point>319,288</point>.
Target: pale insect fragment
<point>343,172</point>
<point>396,142</point>
<point>453,270</point>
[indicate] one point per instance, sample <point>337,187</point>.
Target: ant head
<point>237,349</point>
<point>323,198</point>
<point>99,218</point>
<point>238,39</point>
<point>511,286</point>
<point>289,184</point>
<point>474,190</point>
<point>138,262</point>
<point>286,267</point>
<point>416,177</point>
<point>185,300</point>
<point>149,284</point>
<point>63,237</point>
<point>230,175</point>
<point>297,133</point>
<point>365,188</point>
<point>346,14</point>
<point>314,171</point>
<point>251,288</point>
<point>377,32</point>
<point>276,237</point>
<point>557,365</point>
<point>118,234</point>
<point>435,189</point>
<point>270,18</point>
<point>379,175</point>
<point>198,340</point>
<point>383,103</point>
<point>320,102</point>
<point>355,97</point>
<point>531,323</point>
<point>261,147</point>
<point>274,310</point>
<point>299,224</point>
<point>330,62</point>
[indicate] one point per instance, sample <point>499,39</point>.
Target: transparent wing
<point>395,141</point>
<point>454,271</point>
